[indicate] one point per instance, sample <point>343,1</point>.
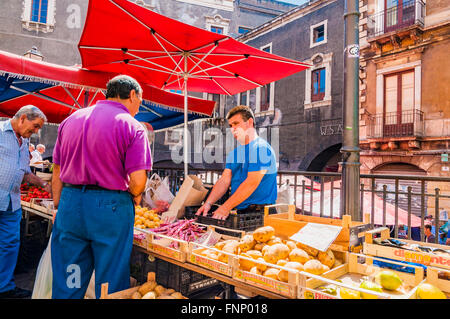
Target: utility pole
<point>350,200</point>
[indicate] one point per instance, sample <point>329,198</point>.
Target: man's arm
<point>57,185</point>
<point>248,186</point>
<point>138,180</point>
<point>219,189</point>
<point>37,181</point>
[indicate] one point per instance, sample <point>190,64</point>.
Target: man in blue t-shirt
<point>250,170</point>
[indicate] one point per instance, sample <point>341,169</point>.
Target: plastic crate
<point>246,222</point>
<point>185,281</point>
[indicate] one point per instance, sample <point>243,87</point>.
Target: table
<point>241,286</point>
<point>29,210</point>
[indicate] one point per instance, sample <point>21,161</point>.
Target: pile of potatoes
<point>263,245</point>
<point>151,290</point>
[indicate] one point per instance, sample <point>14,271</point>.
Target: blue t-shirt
<point>255,156</point>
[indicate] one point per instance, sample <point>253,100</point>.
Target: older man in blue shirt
<point>14,168</point>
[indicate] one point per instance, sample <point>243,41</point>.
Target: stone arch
<point>317,159</point>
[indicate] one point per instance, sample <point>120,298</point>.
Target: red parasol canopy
<point>60,90</point>
<point>122,37</point>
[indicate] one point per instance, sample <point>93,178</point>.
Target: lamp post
<point>350,200</point>
<point>34,54</point>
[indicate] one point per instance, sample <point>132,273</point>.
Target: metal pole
<point>350,202</point>
<point>185,134</point>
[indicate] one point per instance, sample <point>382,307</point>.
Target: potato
<point>166,297</point>
<point>146,287</point>
<point>159,290</point>
<point>298,255</point>
<point>337,263</point>
<point>212,255</point>
<point>149,295</point>
<point>291,244</point>
<point>247,243</point>
<point>283,275</point>
<point>276,252</point>
<point>259,246</point>
<point>231,247</point>
<point>136,295</point>
<point>263,234</point>
<point>264,249</point>
<point>261,267</point>
<point>220,245</point>
<point>246,264</point>
<point>315,267</point>
<point>255,271</point>
<point>272,273</point>
<point>255,254</point>
<point>282,262</point>
<point>327,258</point>
<point>169,291</point>
<point>177,295</point>
<point>274,240</point>
<point>311,251</point>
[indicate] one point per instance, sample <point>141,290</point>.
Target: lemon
<point>349,293</point>
<point>370,286</point>
<point>428,291</point>
<point>388,280</point>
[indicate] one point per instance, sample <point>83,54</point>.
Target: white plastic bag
<point>285,195</point>
<point>43,283</point>
<point>157,189</point>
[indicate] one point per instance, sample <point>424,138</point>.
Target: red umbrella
<point>60,90</point>
<point>123,37</point>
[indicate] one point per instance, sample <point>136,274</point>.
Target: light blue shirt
<point>253,157</point>
<point>14,164</point>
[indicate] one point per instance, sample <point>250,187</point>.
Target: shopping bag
<point>157,189</point>
<point>43,283</point>
<point>285,195</point>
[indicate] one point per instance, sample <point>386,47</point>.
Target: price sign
<point>318,236</point>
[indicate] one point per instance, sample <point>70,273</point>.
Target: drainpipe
<point>350,199</point>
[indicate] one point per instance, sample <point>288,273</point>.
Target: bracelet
<point>208,203</point>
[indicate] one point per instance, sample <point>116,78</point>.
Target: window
<point>243,98</point>
<point>265,94</point>
<point>242,30</point>
<point>318,84</point>
<point>215,29</point>
<point>39,15</point>
<point>318,34</point>
<point>318,81</point>
<point>39,11</point>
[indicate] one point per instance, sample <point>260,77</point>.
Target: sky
<point>298,2</point>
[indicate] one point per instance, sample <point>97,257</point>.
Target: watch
<point>44,184</point>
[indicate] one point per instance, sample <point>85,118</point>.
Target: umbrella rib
<point>142,59</point>
<point>172,73</point>
<point>42,96</point>
<point>256,56</point>
<point>119,49</point>
<point>146,67</point>
<point>220,65</point>
<point>240,76</point>
<point>71,96</point>
<point>214,80</point>
<point>95,94</point>
<point>215,43</point>
<point>164,48</point>
<point>150,110</point>
<point>201,60</point>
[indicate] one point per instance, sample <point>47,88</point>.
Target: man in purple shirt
<point>101,159</point>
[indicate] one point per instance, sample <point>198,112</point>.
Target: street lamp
<point>34,54</point>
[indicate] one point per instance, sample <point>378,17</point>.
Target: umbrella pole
<point>185,139</point>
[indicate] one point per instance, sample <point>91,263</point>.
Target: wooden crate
<point>349,275</point>
<point>442,284</point>
<point>124,294</point>
<point>35,203</point>
<point>195,250</point>
<point>288,223</point>
<point>137,240</point>
<point>159,244</point>
<point>25,204</point>
<point>420,257</point>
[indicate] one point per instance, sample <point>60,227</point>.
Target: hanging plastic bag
<point>44,276</point>
<point>285,195</point>
<point>157,190</point>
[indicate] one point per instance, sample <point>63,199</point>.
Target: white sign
<point>353,51</point>
<point>319,236</point>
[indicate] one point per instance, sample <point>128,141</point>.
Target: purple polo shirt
<point>101,145</point>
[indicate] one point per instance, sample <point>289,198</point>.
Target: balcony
<point>405,14</point>
<point>396,124</point>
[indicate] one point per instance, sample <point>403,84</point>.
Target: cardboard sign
<point>318,236</point>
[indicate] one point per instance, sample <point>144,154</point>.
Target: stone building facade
<point>404,89</point>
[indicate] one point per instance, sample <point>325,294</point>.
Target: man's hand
<point>48,188</point>
<point>221,213</point>
<point>137,199</point>
<point>204,209</point>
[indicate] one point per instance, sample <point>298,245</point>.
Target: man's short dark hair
<point>121,86</point>
<point>245,112</point>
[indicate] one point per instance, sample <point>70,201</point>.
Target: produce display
<point>185,229</point>
<point>146,218</point>
<point>152,290</point>
<point>428,291</point>
<point>28,192</point>
<point>263,246</point>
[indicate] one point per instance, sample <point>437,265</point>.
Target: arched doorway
<point>327,160</point>
<point>401,169</point>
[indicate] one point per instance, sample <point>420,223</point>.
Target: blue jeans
<point>93,230</point>
<point>9,246</point>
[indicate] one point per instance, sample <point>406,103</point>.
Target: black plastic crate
<point>183,280</point>
<point>246,222</point>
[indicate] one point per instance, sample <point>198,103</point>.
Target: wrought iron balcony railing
<point>396,124</point>
<point>406,13</point>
